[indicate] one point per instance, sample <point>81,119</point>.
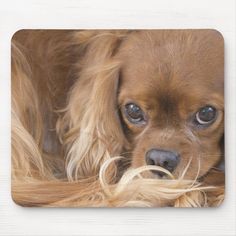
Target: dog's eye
<point>134,113</point>
<point>206,115</point>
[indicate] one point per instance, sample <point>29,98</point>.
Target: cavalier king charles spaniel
<point>118,118</point>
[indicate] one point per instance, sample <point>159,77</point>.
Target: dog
<point>154,97</point>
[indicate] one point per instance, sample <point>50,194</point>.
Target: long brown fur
<point>68,142</point>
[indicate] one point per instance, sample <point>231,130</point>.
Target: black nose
<point>164,158</point>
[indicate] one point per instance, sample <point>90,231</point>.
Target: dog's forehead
<point>173,60</point>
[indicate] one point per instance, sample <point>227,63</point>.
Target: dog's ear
<point>221,164</point>
<point>91,128</point>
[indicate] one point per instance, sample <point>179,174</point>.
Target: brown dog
<point>171,96</point>
<point>80,98</point>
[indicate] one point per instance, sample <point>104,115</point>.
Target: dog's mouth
<point>159,174</point>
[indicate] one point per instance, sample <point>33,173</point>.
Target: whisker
<point>198,172</point>
<point>185,169</point>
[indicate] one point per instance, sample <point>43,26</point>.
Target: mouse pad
<point>117,118</point>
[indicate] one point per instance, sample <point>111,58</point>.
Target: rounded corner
<point>222,202</point>
<point>14,35</point>
<point>14,200</point>
<point>219,34</point>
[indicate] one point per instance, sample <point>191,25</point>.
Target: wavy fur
<point>66,133</point>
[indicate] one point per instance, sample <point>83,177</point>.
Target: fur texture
<point>71,142</point>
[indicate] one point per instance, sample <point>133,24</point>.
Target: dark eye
<point>206,115</point>
<point>134,113</point>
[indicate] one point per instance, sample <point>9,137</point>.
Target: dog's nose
<point>163,158</point>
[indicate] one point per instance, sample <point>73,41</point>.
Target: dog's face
<point>171,99</point>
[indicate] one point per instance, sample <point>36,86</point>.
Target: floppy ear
<point>221,164</point>
<point>90,128</point>
<point>26,121</point>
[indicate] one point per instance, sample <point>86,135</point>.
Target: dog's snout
<point>163,158</point>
